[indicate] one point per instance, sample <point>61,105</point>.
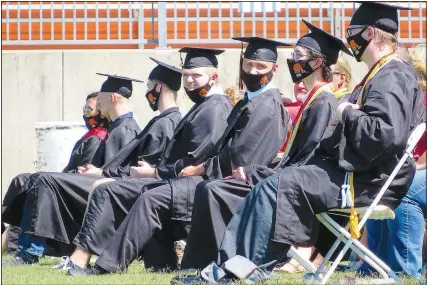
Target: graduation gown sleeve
<point>119,137</point>
<point>150,150</point>
<point>258,135</point>
<point>318,123</point>
<point>207,127</point>
<point>86,151</point>
<point>377,131</point>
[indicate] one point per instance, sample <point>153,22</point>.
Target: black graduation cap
<point>200,57</point>
<point>168,74</point>
<point>261,48</point>
<point>118,84</point>
<point>324,43</point>
<point>379,15</point>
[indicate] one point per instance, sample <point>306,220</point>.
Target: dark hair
<point>326,69</point>
<point>92,95</point>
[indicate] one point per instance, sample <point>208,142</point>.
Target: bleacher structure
<point>132,25</point>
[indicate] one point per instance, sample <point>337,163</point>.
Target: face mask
<point>153,98</point>
<point>299,69</point>
<point>358,44</point>
<point>198,95</point>
<point>95,121</point>
<point>255,82</point>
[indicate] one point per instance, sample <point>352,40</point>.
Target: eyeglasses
<point>356,29</point>
<point>337,73</point>
<point>87,110</point>
<point>299,56</point>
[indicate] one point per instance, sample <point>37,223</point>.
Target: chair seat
<point>380,212</point>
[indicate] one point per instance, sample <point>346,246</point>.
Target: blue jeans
<point>399,242</point>
<point>30,244</point>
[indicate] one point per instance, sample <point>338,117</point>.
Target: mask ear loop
<point>241,69</point>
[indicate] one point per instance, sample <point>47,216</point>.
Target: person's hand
<point>342,106</point>
<point>239,174</point>
<point>421,162</point>
<point>143,170</point>
<point>90,169</point>
<point>192,171</point>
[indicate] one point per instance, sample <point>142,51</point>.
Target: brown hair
<point>326,70</point>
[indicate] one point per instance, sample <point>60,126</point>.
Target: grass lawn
<point>44,274</point>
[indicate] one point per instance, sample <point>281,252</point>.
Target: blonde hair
<point>342,66</point>
<point>386,38</point>
<point>419,51</point>
<point>210,70</point>
<point>418,58</point>
<point>121,98</point>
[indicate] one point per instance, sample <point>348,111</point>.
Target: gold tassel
<point>241,85</point>
<point>182,62</point>
<point>354,218</point>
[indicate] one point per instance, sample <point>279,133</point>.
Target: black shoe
<point>19,260</point>
<point>92,270</point>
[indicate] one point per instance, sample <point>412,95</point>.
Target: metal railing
<point>89,22</point>
<point>179,23</point>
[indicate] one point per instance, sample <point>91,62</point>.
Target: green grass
<point>44,274</point>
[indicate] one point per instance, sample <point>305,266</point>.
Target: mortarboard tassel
<point>182,62</point>
<point>354,218</point>
<point>241,70</point>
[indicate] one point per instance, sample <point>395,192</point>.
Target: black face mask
<point>153,98</point>
<point>198,95</point>
<point>358,44</point>
<point>95,121</point>
<point>255,82</point>
<point>299,69</point>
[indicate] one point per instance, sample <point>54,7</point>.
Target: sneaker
<point>19,260</point>
<point>66,264</point>
<point>91,270</point>
<point>182,280</point>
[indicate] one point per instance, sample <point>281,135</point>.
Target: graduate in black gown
<point>85,150</point>
<point>52,203</point>
<point>163,84</point>
<point>216,201</point>
<point>367,144</point>
<point>195,136</point>
<point>257,127</point>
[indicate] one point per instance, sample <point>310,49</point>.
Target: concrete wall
<point>52,85</point>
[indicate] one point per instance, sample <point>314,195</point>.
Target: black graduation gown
<point>255,132</point>
<point>368,141</point>
<point>217,201</point>
<point>86,150</point>
<point>196,134</point>
<point>147,146</point>
<point>57,200</point>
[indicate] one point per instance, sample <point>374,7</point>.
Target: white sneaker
<point>65,264</point>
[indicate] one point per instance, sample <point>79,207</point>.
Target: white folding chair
<point>376,212</point>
